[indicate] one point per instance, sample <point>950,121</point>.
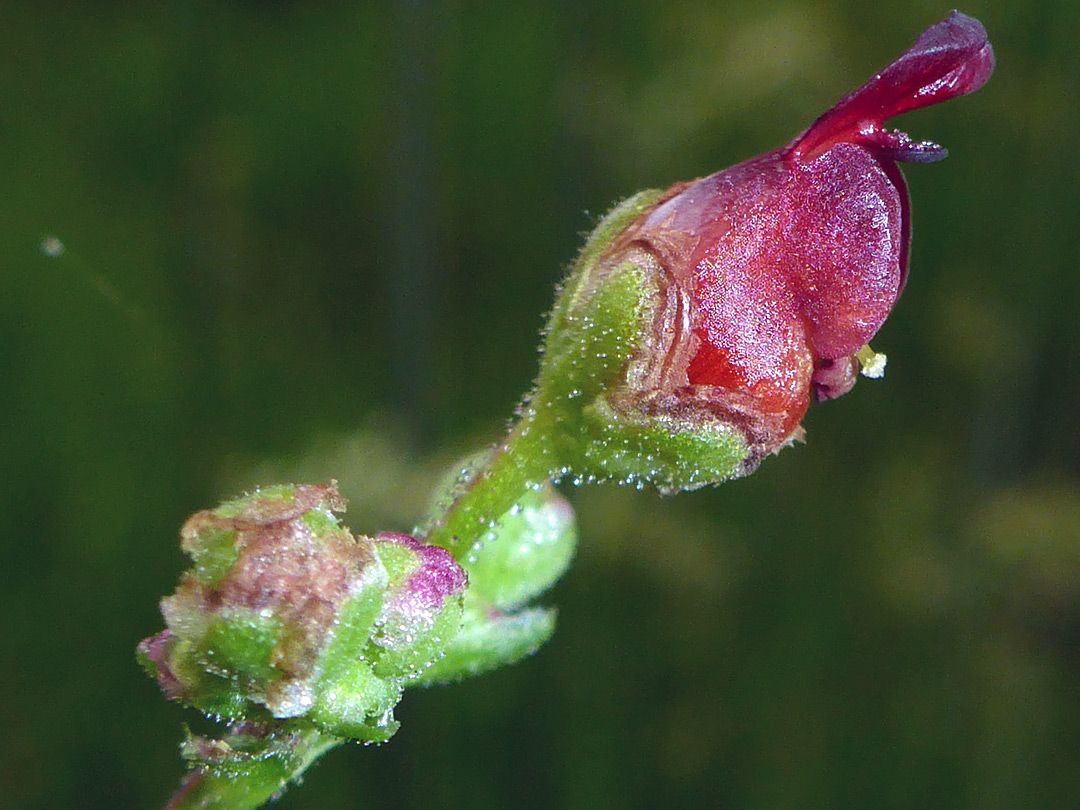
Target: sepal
<point>519,557</point>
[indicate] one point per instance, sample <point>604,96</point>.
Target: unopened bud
<point>285,613</point>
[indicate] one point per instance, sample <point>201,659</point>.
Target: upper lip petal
<point>949,59</point>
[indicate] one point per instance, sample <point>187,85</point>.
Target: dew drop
<point>52,247</point>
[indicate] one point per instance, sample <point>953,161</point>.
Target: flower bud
<point>286,615</point>
<point>746,293</point>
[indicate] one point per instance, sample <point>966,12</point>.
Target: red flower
<point>775,272</point>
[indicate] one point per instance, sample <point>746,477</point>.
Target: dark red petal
<point>848,236</point>
<point>949,59</point>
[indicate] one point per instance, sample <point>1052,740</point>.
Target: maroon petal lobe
<point>949,59</point>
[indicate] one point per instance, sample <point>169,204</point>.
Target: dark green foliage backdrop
<point>316,240</point>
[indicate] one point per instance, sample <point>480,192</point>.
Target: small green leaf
<point>529,549</point>
<point>490,639</point>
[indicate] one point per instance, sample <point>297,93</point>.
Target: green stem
<point>589,344</point>
<point>523,462</point>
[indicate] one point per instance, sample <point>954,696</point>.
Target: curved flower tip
<point>766,281</point>
<point>950,59</point>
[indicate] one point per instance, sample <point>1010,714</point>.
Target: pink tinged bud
<point>417,600</point>
<point>272,572</point>
<point>778,270</point>
<point>285,614</point>
<point>422,607</point>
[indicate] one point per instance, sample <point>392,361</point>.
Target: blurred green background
<point>314,240</point>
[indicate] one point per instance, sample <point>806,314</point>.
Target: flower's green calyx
<point>600,383</point>
<point>286,616</point>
